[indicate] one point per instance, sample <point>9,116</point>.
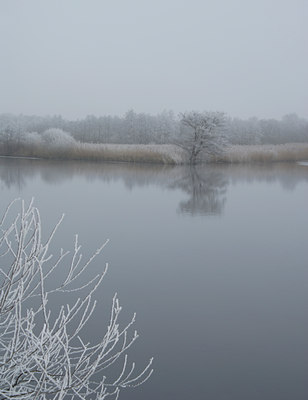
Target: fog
<point>78,57</point>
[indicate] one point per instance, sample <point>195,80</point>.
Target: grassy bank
<point>159,154</point>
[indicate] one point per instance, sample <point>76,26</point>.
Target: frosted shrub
<point>58,138</point>
<point>43,354</point>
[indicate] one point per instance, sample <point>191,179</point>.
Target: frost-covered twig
<point>43,355</point>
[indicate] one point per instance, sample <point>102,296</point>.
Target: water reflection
<point>206,186</point>
<point>11,174</point>
<point>235,286</point>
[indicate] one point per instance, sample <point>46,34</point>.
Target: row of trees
<point>165,127</point>
<point>201,136</point>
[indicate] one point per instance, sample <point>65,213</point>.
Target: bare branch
<point>41,353</point>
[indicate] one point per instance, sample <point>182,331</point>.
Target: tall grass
<point>157,154</point>
<point>265,153</point>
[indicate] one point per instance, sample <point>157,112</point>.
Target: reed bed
<point>134,153</point>
<point>137,153</point>
<point>161,154</point>
<point>265,153</point>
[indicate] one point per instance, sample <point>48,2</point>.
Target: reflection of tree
<point>11,175</point>
<point>18,171</point>
<point>206,188</point>
<point>205,185</point>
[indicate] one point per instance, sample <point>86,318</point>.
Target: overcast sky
<point>80,57</point>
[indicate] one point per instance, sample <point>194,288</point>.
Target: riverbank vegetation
<point>35,146</point>
<point>266,153</point>
<point>162,139</point>
<point>165,154</point>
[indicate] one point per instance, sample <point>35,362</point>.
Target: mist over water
<point>213,260</point>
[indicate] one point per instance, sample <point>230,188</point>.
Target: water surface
<point>213,260</point>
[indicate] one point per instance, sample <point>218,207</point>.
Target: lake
<point>213,260</point>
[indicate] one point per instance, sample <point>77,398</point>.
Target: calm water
<point>214,262</point>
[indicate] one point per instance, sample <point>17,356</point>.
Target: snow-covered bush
<point>43,354</point>
<point>58,138</point>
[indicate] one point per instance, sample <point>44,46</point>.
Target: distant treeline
<point>163,128</point>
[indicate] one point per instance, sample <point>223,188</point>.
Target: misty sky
<point>80,57</point>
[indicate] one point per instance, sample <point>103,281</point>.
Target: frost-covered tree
<point>145,128</point>
<point>245,131</point>
<point>204,134</point>
<point>10,138</point>
<point>44,353</point>
<point>167,127</point>
<point>7,136</point>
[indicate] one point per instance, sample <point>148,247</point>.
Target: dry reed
<point>266,153</point>
<point>162,154</point>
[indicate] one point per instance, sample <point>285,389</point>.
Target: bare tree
<point>204,134</point>
<point>42,352</point>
